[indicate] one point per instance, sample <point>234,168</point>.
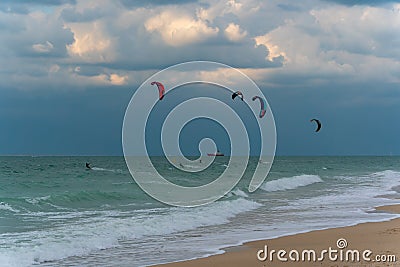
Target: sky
<point>68,69</point>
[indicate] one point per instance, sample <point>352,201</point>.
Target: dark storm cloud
<point>16,9</point>
<point>43,46</point>
<point>26,6</point>
<point>338,63</point>
<point>289,7</point>
<point>154,57</point>
<point>71,15</point>
<point>339,107</point>
<point>61,123</point>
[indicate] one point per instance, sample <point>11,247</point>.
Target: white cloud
<point>43,48</point>
<point>116,79</point>
<point>179,29</point>
<point>54,68</point>
<point>360,29</point>
<point>91,42</point>
<point>234,33</point>
<point>100,79</point>
<point>336,41</point>
<point>240,9</point>
<point>274,50</point>
<point>277,42</point>
<point>225,76</point>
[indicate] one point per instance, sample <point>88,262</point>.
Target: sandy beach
<point>376,244</point>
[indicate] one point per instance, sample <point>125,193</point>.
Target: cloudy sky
<point>69,68</point>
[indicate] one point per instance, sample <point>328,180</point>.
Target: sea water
<point>55,212</point>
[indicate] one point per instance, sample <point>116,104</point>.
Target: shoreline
<point>381,238</point>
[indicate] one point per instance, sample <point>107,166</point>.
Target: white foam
<point>94,233</point>
<point>347,203</point>
<point>107,170</point>
<point>290,182</point>
<point>383,181</point>
<point>6,206</point>
<point>388,178</point>
<point>191,166</point>
<point>237,192</point>
<point>36,200</point>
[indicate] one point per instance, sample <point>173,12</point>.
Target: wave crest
<point>289,183</point>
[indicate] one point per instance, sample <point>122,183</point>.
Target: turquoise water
<point>54,212</point>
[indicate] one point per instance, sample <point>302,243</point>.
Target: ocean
<point>54,212</point>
